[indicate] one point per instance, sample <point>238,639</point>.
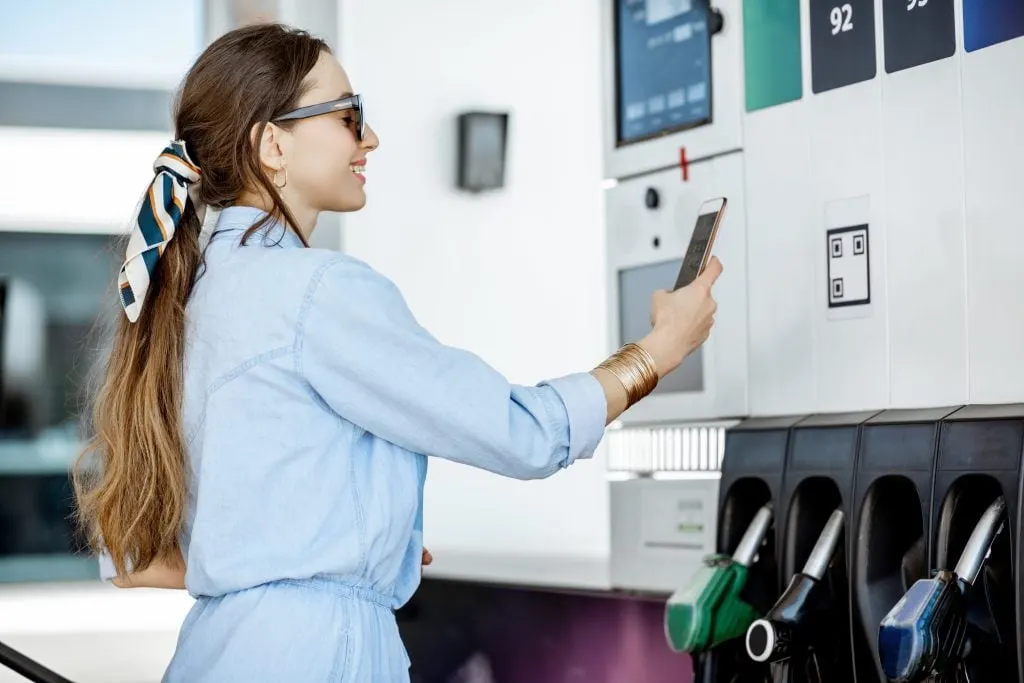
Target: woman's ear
<point>269,146</point>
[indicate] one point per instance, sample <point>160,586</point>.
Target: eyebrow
<point>345,94</point>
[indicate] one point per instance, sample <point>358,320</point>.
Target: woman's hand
<point>425,559</point>
<point>682,320</point>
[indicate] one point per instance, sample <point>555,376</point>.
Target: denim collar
<point>234,221</point>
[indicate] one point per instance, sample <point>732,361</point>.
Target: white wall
<point>992,106</point>
<point>514,276</point>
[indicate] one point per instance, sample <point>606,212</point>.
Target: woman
<point>261,429</point>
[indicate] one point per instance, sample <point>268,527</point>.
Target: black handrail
<point>29,668</point>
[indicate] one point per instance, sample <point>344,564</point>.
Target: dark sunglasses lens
<point>359,118</point>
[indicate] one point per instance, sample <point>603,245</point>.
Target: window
<point>120,43</point>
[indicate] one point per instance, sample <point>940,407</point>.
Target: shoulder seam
<point>229,377</point>
<point>307,303</point>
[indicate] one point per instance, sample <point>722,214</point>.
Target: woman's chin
<point>352,201</point>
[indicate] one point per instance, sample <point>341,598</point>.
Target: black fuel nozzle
<point>786,628</point>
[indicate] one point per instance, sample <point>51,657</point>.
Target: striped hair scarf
<point>158,217</point>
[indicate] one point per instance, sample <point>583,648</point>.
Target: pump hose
<point>814,670</point>
<point>29,668</point>
<point>804,668</point>
<point>782,671</point>
<point>986,583</point>
<point>954,676</point>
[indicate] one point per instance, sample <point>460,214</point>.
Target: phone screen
<point>695,253</point>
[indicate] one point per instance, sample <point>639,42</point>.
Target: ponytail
<point>130,481</point>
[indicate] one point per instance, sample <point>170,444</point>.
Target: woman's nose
<point>370,140</point>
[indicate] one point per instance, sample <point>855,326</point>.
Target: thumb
<point>712,271</point>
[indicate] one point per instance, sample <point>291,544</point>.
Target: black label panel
<point>917,32</point>
<point>842,43</point>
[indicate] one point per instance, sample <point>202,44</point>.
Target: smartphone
<point>709,217</point>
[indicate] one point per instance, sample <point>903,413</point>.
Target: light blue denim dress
<point>311,395</point>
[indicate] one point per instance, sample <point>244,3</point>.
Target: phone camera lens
<point>657,242</point>
<point>651,198</point>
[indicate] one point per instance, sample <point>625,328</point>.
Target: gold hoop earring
<point>280,186</point>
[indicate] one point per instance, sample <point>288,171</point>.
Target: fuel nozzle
<point>779,633</point>
<point>925,633</point>
<point>709,609</point>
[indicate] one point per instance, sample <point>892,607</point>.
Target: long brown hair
<point>130,481</point>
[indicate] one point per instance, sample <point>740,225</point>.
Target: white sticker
<point>680,517</point>
<point>849,283</point>
<point>847,277</point>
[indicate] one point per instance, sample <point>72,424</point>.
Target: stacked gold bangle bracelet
<point>634,367</point>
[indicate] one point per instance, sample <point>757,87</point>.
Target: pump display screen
<point>663,67</point>
<point>636,285</point>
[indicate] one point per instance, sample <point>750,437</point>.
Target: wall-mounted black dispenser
<point>891,522</point>
<point>979,461</point>
<point>927,633</point>
<point>794,636</point>
<point>752,477</point>
<point>819,480</point>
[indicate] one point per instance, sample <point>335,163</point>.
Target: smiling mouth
<point>359,170</point>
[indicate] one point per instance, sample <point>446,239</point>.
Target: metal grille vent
<point>643,450</point>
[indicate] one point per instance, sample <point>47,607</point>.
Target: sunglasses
<point>353,102</point>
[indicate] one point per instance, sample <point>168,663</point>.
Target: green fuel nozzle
<point>709,609</point>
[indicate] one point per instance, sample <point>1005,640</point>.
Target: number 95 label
<point>917,32</point>
<point>843,42</point>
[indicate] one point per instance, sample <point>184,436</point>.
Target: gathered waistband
<point>341,588</point>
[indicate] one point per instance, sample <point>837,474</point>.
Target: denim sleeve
<point>367,358</point>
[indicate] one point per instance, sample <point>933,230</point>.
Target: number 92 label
<point>843,42</point>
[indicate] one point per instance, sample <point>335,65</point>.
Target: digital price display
<point>662,67</point>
